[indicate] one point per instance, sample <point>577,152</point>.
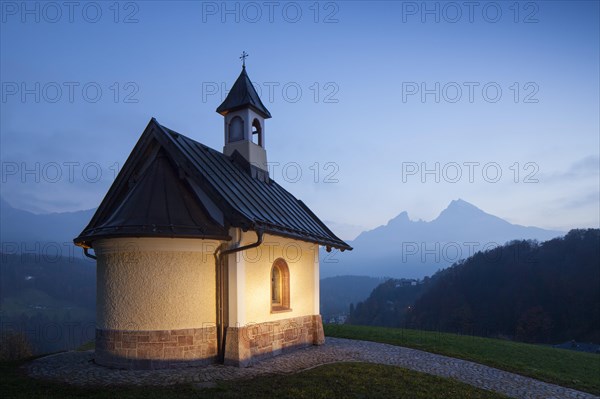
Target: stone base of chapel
<point>248,344</point>
<point>149,350</point>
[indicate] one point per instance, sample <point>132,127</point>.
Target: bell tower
<point>245,116</point>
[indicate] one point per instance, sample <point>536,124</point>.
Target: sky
<point>378,107</point>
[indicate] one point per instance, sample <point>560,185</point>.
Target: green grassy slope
<point>562,367</point>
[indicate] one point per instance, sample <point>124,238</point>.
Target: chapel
<point>201,256</point>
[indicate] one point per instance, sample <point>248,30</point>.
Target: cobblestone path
<point>78,368</point>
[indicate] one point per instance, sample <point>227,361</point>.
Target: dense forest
<point>338,292</point>
<point>533,292</point>
<point>389,304</point>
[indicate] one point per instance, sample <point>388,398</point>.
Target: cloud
<point>581,169</point>
<point>591,198</point>
<point>587,165</point>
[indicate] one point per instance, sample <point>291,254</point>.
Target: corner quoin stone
<point>248,344</point>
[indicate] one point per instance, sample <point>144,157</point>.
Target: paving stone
<point>78,368</point>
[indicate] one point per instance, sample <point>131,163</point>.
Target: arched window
<point>280,286</point>
<point>236,129</point>
<point>257,137</point>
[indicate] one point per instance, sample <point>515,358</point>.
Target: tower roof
<point>242,95</point>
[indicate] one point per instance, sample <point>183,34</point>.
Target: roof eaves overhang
<point>87,240</point>
<point>254,108</point>
<point>300,235</point>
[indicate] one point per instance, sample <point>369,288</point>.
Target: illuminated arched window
<point>280,286</point>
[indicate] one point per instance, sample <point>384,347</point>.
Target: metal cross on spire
<point>243,58</point>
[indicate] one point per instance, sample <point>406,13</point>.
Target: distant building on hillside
<point>406,282</point>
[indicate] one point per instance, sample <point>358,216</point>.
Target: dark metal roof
<point>158,204</point>
<point>241,95</point>
<point>216,189</point>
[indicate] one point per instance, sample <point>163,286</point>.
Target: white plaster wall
<point>155,283</point>
<point>257,263</point>
<point>254,153</point>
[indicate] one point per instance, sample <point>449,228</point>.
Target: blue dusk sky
<point>378,107</point>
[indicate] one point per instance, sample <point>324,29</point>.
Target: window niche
<point>280,286</point>
<point>236,129</point>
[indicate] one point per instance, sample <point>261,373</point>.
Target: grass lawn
<point>343,380</point>
<point>562,367</point>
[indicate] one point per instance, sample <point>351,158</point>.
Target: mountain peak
<point>461,210</point>
<point>413,249</point>
<point>460,205</point>
<point>401,218</point>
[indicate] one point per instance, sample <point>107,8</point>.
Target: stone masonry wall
<point>244,345</point>
<point>156,349</point>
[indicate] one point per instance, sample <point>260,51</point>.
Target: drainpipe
<point>222,293</point>
<point>86,253</point>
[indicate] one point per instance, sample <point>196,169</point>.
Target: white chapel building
<point>193,250</point>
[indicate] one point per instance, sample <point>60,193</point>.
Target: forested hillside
<point>389,303</point>
<point>532,292</point>
<point>51,299</point>
<point>337,293</point>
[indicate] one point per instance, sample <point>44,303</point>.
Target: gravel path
<point>78,368</point>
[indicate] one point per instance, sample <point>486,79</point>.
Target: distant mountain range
<point>404,248</point>
<point>26,229</point>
